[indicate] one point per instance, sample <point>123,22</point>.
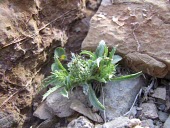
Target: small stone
<point>43,112</point>
<point>160,93</point>
<point>149,110</point>
<point>162,107</point>
<point>148,123</point>
<point>83,109</point>
<point>120,122</point>
<point>80,122</point>
<point>167,123</point>
<point>162,116</point>
<point>138,108</point>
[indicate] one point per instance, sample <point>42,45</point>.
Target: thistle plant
<point>82,70</point>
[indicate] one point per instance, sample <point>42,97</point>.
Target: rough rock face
<point>30,30</point>
<point>119,96</point>
<point>140,28</point>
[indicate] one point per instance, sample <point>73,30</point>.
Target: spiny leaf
<point>127,77</point>
<point>93,99</point>
<point>100,49</point>
<point>51,90</point>
<point>116,59</point>
<point>89,53</point>
<point>111,54</point>
<point>106,50</point>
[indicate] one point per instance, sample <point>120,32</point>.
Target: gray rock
<point>148,123</point>
<point>120,122</point>
<point>48,123</point>
<point>43,112</point>
<point>149,110</point>
<point>162,116</point>
<point>119,96</point>
<point>85,110</point>
<point>80,122</point>
<point>60,105</point>
<point>167,123</point>
<point>160,94</point>
<point>8,120</point>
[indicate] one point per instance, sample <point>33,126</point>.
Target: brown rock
<point>142,34</point>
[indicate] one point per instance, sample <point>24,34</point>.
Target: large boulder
<point>140,28</point>
<point>119,96</point>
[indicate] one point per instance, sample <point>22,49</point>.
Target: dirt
<point>31,30</point>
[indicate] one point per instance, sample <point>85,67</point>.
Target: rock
<point>81,108</point>
<point>162,116</point>
<point>8,120</point>
<point>80,122</point>
<point>60,105</point>
<point>120,122</point>
<point>160,94</point>
<point>48,123</point>
<point>149,110</point>
<point>43,112</point>
<point>147,123</point>
<point>119,96</point>
<point>117,24</point>
<point>167,123</point>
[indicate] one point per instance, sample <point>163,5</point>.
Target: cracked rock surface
<point>140,29</point>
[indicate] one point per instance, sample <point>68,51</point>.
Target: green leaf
<point>112,53</point>
<point>100,49</point>
<point>106,50</point>
<point>58,65</point>
<point>98,61</point>
<point>93,99</point>
<point>127,77</point>
<point>116,59</point>
<point>60,54</point>
<point>49,80</point>
<point>64,92</point>
<point>51,90</point>
<point>89,53</point>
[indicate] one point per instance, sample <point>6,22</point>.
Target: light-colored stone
<point>149,110</point>
<point>147,123</point>
<point>60,105</point>
<point>83,109</point>
<point>142,34</point>
<point>119,96</point>
<point>80,122</point>
<point>162,116</point>
<point>167,123</point>
<point>120,122</point>
<point>160,93</point>
<point>43,112</point>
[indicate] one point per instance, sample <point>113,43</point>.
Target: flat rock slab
<point>141,29</point>
<point>119,96</point>
<point>149,110</point>
<point>160,93</point>
<point>83,109</point>
<point>167,123</point>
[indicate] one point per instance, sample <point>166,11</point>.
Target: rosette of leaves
<point>82,70</point>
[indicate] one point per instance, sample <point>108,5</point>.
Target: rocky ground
<point>31,30</point>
